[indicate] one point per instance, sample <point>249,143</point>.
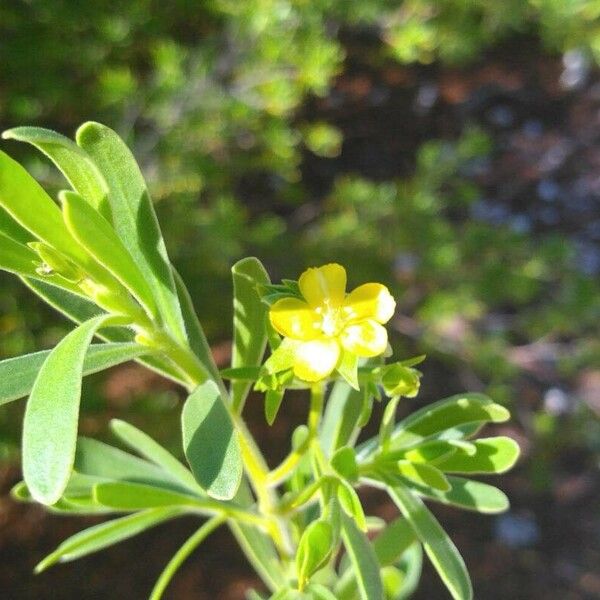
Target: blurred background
<point>449,148</point>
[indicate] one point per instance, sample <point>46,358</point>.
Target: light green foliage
<point>292,521</point>
<point>51,418</point>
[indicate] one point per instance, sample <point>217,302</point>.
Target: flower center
<point>331,320</point>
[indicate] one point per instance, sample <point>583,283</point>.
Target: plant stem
<point>180,556</point>
<point>278,475</point>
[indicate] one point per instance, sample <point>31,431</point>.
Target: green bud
<point>398,380</point>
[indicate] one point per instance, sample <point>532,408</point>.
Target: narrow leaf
<point>99,462</point>
<point>51,416</point>
<point>273,400</point>
<point>98,237</point>
<point>73,162</point>
<point>439,547</point>
<point>106,534</point>
<point>195,333</point>
<point>363,559</point>
<point>134,217</point>
<point>17,375</point>
<point>339,426</point>
<point>123,495</point>
<point>249,316</point>
<point>154,452</point>
<point>210,443</point>
<point>469,495</point>
<point>423,474</point>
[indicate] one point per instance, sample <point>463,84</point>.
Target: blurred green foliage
<point>210,94</point>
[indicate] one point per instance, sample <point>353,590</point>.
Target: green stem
<point>285,469</point>
<point>182,554</point>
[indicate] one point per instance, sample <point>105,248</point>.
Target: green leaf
<point>21,260</point>
<point>344,463</point>
<point>339,426</point>
<point>195,333</point>
<point>106,534</point>
<point>134,217</point>
<point>249,317</point>
<point>453,417</point>
<point>493,455</point>
<point>17,258</point>
<point>393,541</point>
<point>447,413</point>
<point>17,375</point>
<point>154,452</point>
<point>73,162</point>
<point>438,546</point>
<point>273,400</point>
<point>348,369</point>
<point>79,309</point>
<point>363,559</point>
<point>423,474</point>
<point>101,462</point>
<point>123,495</point>
<point>51,416</point>
<point>25,200</point>
<point>210,443</point>
<point>314,550</point>
<point>98,237</point>
<point>411,565</point>
<point>350,503</point>
<point>11,229</point>
<point>469,495</point>
<point>31,207</point>
<point>431,452</point>
<point>389,546</point>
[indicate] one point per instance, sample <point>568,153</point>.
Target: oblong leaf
<point>423,474</point>
<point>154,452</point>
<point>339,426</point>
<point>51,416</point>
<point>492,455</point>
<point>134,217</point>
<point>470,495</point>
<point>439,547</point>
<point>210,443</point>
<point>363,559</point>
<point>26,201</point>
<point>249,317</point>
<point>122,495</point>
<point>106,534</point>
<point>17,375</point>
<point>97,236</point>
<point>99,462</point>
<point>74,163</point>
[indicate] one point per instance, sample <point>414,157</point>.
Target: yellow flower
<point>329,324</point>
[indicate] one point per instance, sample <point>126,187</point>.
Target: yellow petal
<point>316,360</point>
<point>370,301</point>
<point>327,283</point>
<point>293,318</point>
<point>367,338</point>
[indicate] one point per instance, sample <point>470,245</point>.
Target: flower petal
<point>324,283</point>
<point>293,318</point>
<point>370,301</point>
<point>316,360</point>
<point>367,338</point>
